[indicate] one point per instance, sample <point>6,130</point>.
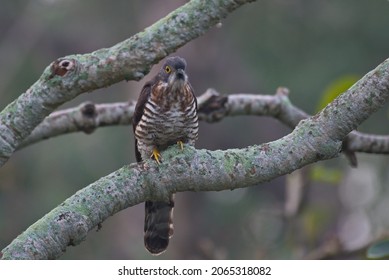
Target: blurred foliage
<point>379,250</point>
<point>304,45</point>
<point>315,222</point>
<point>336,88</point>
<point>321,173</point>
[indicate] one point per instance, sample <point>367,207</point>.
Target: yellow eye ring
<point>168,69</point>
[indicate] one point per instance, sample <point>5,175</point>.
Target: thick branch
<point>316,138</point>
<point>131,59</point>
<point>212,107</point>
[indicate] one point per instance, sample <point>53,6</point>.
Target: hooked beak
<point>180,74</point>
<point>178,79</point>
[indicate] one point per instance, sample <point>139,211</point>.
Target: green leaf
<point>379,250</point>
<point>336,88</point>
<point>321,173</point>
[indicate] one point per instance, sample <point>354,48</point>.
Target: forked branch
<point>317,138</point>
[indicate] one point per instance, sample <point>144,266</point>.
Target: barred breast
<point>163,125</point>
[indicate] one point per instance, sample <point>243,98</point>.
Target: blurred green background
<point>315,48</point>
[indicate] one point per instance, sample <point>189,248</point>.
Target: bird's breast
<point>165,123</point>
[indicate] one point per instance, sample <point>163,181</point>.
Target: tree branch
<point>316,138</point>
<point>86,117</point>
<point>131,59</point>
<point>212,107</point>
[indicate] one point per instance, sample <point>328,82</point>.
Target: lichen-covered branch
<point>131,59</point>
<point>316,138</point>
<point>368,143</point>
<point>212,107</point>
<point>86,117</point>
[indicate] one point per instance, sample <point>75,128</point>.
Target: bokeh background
<point>315,48</point>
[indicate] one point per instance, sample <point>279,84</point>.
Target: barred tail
<point>158,225</point>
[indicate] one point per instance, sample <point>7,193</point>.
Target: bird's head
<point>173,72</point>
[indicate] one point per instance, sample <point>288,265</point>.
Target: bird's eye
<point>168,69</point>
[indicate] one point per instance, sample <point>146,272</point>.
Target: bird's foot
<point>181,144</point>
<point>156,155</point>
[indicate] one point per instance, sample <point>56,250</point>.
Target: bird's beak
<point>178,79</point>
<point>180,74</point>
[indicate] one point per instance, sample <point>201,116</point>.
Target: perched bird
<point>165,114</point>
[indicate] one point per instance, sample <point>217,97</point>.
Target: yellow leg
<point>156,155</point>
<point>181,144</point>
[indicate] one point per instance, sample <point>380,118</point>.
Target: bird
<point>165,115</point>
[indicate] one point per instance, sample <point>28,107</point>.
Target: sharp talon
<point>181,144</point>
<point>156,155</point>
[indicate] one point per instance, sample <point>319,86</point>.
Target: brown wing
<point>139,108</point>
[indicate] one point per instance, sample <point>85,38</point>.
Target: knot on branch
<point>88,121</point>
<point>89,110</point>
<point>212,106</point>
<point>62,66</point>
<point>282,92</point>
